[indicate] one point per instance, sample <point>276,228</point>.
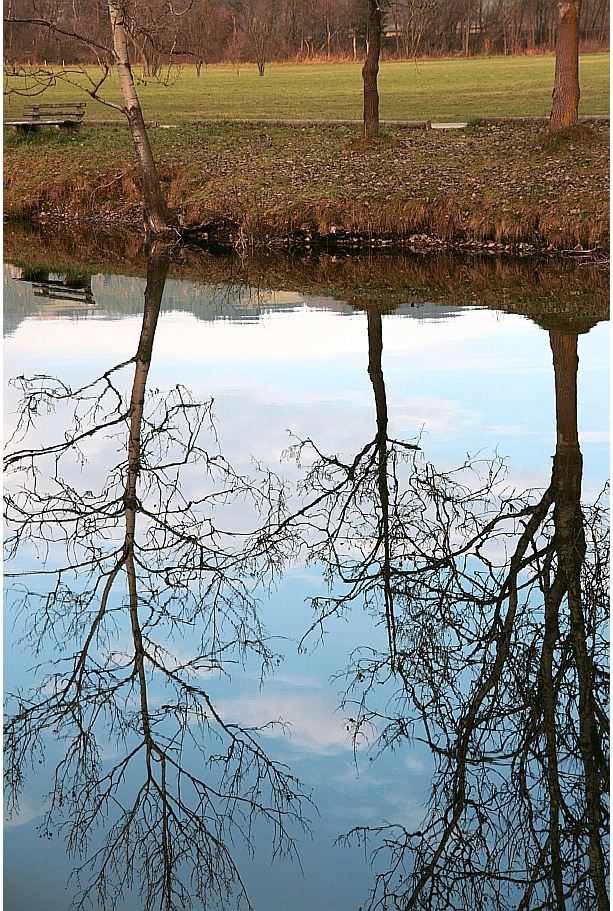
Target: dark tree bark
<point>571,547</point>
<point>375,372</point>
<point>565,106</point>
<point>158,217</point>
<point>370,71</point>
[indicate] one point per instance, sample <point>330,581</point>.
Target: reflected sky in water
<point>281,367</point>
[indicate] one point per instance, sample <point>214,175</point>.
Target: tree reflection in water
<point>185,783</point>
<point>495,605</point>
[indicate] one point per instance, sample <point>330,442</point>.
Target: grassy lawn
<point>445,90</point>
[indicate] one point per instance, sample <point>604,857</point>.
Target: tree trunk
<point>370,71</point>
<point>565,106</point>
<point>396,30</point>
<point>466,32</point>
<point>144,61</point>
<point>157,215</point>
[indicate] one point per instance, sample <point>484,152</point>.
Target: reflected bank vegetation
<point>494,602</point>
<point>535,287</point>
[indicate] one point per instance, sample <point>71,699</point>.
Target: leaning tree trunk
<point>565,106</point>
<point>370,71</point>
<point>157,215</point>
<point>157,268</point>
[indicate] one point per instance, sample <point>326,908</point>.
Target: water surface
<point>328,496</point>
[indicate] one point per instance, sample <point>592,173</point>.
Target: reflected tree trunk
<point>165,825</point>
<point>157,268</point>
<point>570,546</point>
<point>375,372</point>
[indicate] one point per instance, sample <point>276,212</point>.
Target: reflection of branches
<point>111,595</point>
<point>517,726</point>
<point>495,606</point>
<point>347,516</point>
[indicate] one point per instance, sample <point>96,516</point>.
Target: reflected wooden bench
<point>65,117</point>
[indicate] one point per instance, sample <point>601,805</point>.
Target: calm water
<point>306,540</point>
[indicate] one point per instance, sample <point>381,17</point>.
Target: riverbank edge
<point>222,235</point>
<point>89,180</point>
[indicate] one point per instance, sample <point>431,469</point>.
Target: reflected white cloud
<point>414,765</point>
<point>439,418</point>
<point>311,721</point>
<point>407,811</point>
<point>29,809</point>
<point>594,436</point>
<point>515,430</point>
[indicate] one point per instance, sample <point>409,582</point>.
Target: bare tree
<point>127,566</point>
<point>157,215</point>
<point>208,25</point>
<point>153,29</point>
<point>258,20</point>
<point>303,27</point>
<point>158,218</point>
<point>412,18</point>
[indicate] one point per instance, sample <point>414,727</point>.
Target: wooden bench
<point>65,117</point>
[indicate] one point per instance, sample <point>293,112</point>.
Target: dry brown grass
<point>495,183</point>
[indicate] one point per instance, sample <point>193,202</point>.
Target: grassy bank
<point>500,184</point>
<point>439,90</point>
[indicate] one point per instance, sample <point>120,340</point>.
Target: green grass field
<point>438,90</point>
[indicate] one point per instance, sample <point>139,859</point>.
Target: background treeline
<point>258,31</point>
